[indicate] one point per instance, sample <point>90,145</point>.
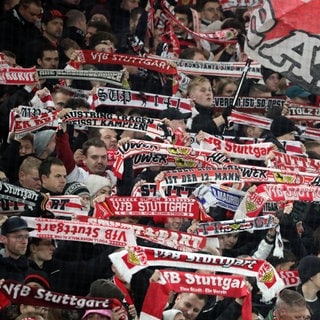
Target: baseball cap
<point>102,312</point>
<point>50,15</point>
<point>296,91</point>
<point>308,267</point>
<point>174,114</point>
<point>13,224</point>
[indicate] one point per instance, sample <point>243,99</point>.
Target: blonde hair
<point>195,82</point>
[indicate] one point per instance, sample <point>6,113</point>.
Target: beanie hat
<point>106,289</point>
<point>102,312</point>
<point>94,183</point>
<point>39,277</point>
<point>13,224</point>
<point>76,188</point>
<point>282,125</point>
<point>308,267</point>
<point>41,140</point>
<point>170,314</point>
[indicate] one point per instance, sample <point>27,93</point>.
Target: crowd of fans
<point>78,160</point>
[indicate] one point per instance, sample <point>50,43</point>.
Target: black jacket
<point>16,33</point>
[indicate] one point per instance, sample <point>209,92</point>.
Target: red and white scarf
<point>150,207</point>
<point>178,281</point>
<point>134,99</point>
<point>17,293</point>
<point>135,259</point>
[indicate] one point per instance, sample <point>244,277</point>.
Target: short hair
<point>184,9</point>
<point>99,25</point>
<point>75,103</point>
<point>288,298</point>
<point>311,144</point>
<point>94,142</point>
<point>196,82</point>
<point>73,16</point>
<point>189,53</point>
<point>100,36</point>
<point>45,166</point>
<point>68,43</point>
<point>46,46</point>
<point>9,53</point>
<point>201,4</point>
<point>258,88</point>
<point>27,3</point>
<point>30,163</point>
<point>28,137</point>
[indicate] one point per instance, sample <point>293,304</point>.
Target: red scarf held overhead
<point>177,281</point>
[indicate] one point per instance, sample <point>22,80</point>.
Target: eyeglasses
<point>20,237</point>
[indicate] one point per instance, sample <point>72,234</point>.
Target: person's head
<point>103,41</point>
<point>226,88</point>
<point>183,14</point>
<point>77,104</point>
<point>98,185</point>
<point>11,58</point>
<point>69,46</point>
<point>271,79</point>
<point>107,135</point>
<point>200,91</point>
<point>94,26</point>
<point>298,95</point>
<point>173,314</point>
<point>29,173</point>
<point>94,314</point>
<point>52,173</point>
<point>210,10</point>
<point>190,304</point>
<point>44,143</point>
<point>37,279</point>
<point>176,118</point>
<point>30,10</point>
<point>228,241</point>
<point>291,305</point>
<point>105,288</point>
<point>259,90</point>
<point>309,271</point>
<point>31,315</point>
<point>47,56</point>
<point>76,18</point>
<point>283,128</point>
<point>312,145</point>
<point>14,236</point>
<point>81,190</point>
<point>196,54</point>
<point>252,131</point>
<point>95,156</point>
<point>129,5</point>
<point>40,250</point>
<point>60,97</point>
<point>287,262</point>
<point>26,145</point>
<point>52,22</point>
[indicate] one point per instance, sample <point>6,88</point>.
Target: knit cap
<point>41,140</point>
<point>282,125</point>
<point>76,188</point>
<point>308,267</point>
<point>94,183</point>
<point>170,314</point>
